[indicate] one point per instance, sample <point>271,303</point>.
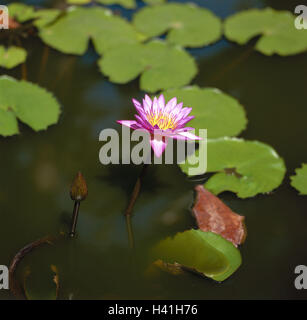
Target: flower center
<point>163,121</point>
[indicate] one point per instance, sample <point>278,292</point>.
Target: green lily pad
<point>154,2</point>
<point>186,24</point>
<point>244,167</point>
<point>12,56</point>
<point>219,113</point>
<point>42,286</point>
<point>27,102</point>
<point>275,28</point>
<point>204,252</point>
<point>69,34</point>
<point>129,4</point>
<point>160,65</point>
<point>45,17</point>
<point>299,180</point>
<point>21,12</point>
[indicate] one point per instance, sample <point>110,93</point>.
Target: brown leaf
<point>213,215</point>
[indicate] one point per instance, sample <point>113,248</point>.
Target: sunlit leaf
<point>160,65</point>
<point>21,12</point>
<point>275,28</point>
<point>244,167</point>
<point>72,32</point>
<point>45,17</point>
<point>204,252</point>
<point>27,102</point>
<point>219,113</point>
<point>299,180</point>
<point>12,56</point>
<point>129,4</point>
<point>186,24</point>
<point>154,2</point>
<point>42,285</point>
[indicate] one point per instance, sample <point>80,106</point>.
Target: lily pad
<point>204,252</point>
<point>160,65</point>
<point>219,113</point>
<point>299,180</point>
<point>129,4</point>
<point>244,167</point>
<point>69,34</point>
<point>275,28</point>
<point>21,12</point>
<point>12,56</point>
<point>27,102</point>
<point>185,24</point>
<point>154,2</point>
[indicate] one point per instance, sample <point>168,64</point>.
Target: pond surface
<point>37,169</point>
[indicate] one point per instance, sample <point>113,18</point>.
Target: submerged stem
<point>74,219</point>
<point>133,198</point>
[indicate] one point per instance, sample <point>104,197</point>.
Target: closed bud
<point>78,190</point>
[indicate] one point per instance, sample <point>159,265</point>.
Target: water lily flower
<point>162,121</point>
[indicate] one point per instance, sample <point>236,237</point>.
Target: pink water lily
<point>162,121</point>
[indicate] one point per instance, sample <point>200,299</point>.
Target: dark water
<point>37,169</point>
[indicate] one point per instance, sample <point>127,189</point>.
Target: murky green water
<point>37,169</point>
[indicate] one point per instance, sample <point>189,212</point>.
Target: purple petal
<point>158,144</point>
<point>182,122</point>
<point>129,123</point>
<point>147,104</point>
<point>161,103</point>
<point>143,122</point>
<point>155,106</point>
<point>189,135</point>
<point>171,105</point>
<point>184,112</point>
<point>177,109</point>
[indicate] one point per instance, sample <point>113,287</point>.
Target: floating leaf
<point>29,103</point>
<point>186,24</point>
<point>39,286</point>
<point>161,66</point>
<point>299,181</point>
<point>204,252</point>
<point>72,32</point>
<point>12,56</point>
<point>219,113</point>
<point>21,12</point>
<point>154,2</point>
<point>45,17</point>
<point>129,4</point>
<point>213,215</point>
<point>244,167</point>
<point>276,28</point>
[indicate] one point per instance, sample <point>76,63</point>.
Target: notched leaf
<point>213,215</point>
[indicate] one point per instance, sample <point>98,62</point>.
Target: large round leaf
<point>276,28</point>
<point>244,167</point>
<point>299,180</point>
<point>12,56</point>
<point>72,32</point>
<point>129,4</point>
<point>27,102</point>
<point>205,252</point>
<point>214,110</point>
<point>161,66</point>
<point>186,24</point>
